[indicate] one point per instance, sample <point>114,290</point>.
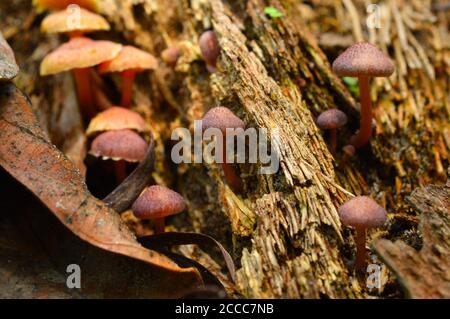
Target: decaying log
<point>424,273</point>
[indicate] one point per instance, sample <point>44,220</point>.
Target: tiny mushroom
<point>156,203</point>
<point>130,61</point>
<point>60,22</point>
<point>116,118</point>
<point>210,49</point>
<point>222,118</point>
<point>362,212</point>
<point>78,55</point>
<point>332,120</point>
<point>8,65</point>
<point>170,56</point>
<point>62,4</point>
<point>363,60</point>
<point>348,150</point>
<point>122,146</point>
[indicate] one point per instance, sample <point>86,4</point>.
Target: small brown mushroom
<point>171,55</point>
<point>156,203</point>
<point>363,60</point>
<point>121,146</point>
<point>209,46</point>
<point>222,118</point>
<point>78,55</point>
<point>362,212</point>
<point>129,62</point>
<point>116,118</point>
<point>332,120</point>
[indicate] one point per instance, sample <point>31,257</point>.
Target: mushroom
<point>348,150</point>
<point>130,61</point>
<point>78,55</point>
<point>116,118</point>
<point>8,65</point>
<point>362,212</point>
<point>62,4</point>
<point>156,203</point>
<point>363,60</point>
<point>332,120</point>
<point>58,22</point>
<point>171,55</point>
<point>222,118</point>
<point>121,146</point>
<point>209,46</point>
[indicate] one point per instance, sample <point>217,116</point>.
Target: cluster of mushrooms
<point>120,134</point>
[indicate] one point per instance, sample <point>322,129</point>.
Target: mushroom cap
<point>158,202</point>
<point>129,58</point>
<point>170,55</point>
<point>119,145</point>
<point>116,118</point>
<point>331,119</point>
<point>209,47</point>
<point>61,22</point>
<point>8,66</point>
<point>222,118</point>
<point>62,4</point>
<point>363,58</point>
<point>362,211</point>
<point>349,150</point>
<point>78,53</point>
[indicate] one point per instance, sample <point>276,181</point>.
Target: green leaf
<point>273,12</point>
<point>352,84</point>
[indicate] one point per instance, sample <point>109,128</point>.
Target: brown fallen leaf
<point>424,273</point>
<point>8,66</point>
<point>26,154</point>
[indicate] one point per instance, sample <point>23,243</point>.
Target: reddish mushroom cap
<point>349,150</point>
<point>170,56</point>
<point>331,119</point>
<point>129,58</point>
<point>222,118</point>
<point>119,145</point>
<point>209,46</point>
<point>158,202</point>
<point>62,4</point>
<point>60,22</point>
<point>116,118</point>
<point>78,53</point>
<point>363,59</point>
<point>362,211</point>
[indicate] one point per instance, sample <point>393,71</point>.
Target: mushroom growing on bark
<point>363,60</point>
<point>60,22</point>
<point>222,118</point>
<point>78,55</point>
<point>121,146</point>
<point>129,62</point>
<point>209,46</point>
<point>332,120</point>
<point>156,203</point>
<point>362,212</point>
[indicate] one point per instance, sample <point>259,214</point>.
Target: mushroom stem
<point>230,175</point>
<point>102,102</point>
<point>333,140</point>
<point>360,260</point>
<point>82,79</point>
<point>127,87</point>
<point>120,170</point>
<point>365,130</point>
<point>160,225</point>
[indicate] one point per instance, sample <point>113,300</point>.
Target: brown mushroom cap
<point>129,58</point>
<point>362,211</point>
<point>209,46</point>
<point>119,145</point>
<point>8,65</point>
<point>331,119</point>
<point>78,53</point>
<point>222,118</point>
<point>363,59</point>
<point>59,22</point>
<point>62,4</point>
<point>116,118</point>
<point>158,202</point>
<point>171,55</point>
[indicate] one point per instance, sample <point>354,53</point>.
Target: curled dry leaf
<point>26,155</point>
<point>8,66</point>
